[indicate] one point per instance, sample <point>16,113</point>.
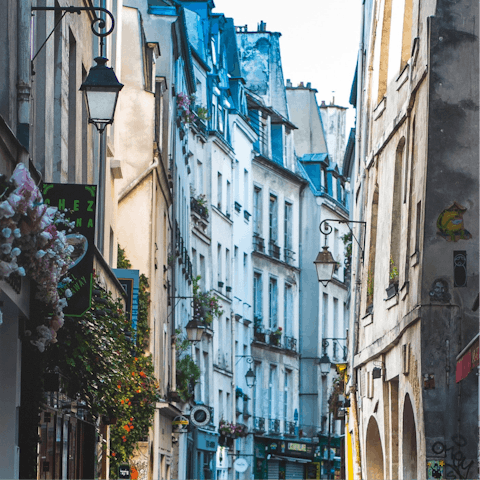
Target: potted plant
<point>370,285</point>
<point>275,336</point>
<point>392,288</point>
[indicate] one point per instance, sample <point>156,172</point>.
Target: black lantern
<point>324,364</point>
<point>325,265</point>
<point>194,331</point>
<point>101,88</point>
<point>250,378</point>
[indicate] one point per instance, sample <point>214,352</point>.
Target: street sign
<point>240,465</point>
<point>124,471</point>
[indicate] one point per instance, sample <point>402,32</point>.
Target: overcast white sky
<point>319,40</point>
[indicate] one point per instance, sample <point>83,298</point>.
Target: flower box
<point>392,290</point>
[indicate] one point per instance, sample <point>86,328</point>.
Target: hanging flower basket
<point>33,243</point>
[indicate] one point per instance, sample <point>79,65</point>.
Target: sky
<point>319,41</point>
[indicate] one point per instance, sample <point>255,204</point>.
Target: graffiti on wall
<point>439,291</point>
<point>450,224</point>
<point>456,464</point>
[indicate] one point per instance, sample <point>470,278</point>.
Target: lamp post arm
<point>96,23</point>
<point>326,229</point>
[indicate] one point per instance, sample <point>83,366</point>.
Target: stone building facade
<point>413,322</point>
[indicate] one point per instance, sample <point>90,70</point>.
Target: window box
<point>220,284</point>
<point>228,288</point>
<point>247,215</point>
<point>392,290</point>
<point>238,207</point>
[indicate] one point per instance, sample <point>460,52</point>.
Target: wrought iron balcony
<point>290,343</point>
<point>258,244</point>
<point>289,256</point>
<point>274,427</point>
<point>259,424</point>
<point>274,250</point>
<point>198,208</point>
<point>289,429</point>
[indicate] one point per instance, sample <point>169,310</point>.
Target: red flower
<point>124,438</point>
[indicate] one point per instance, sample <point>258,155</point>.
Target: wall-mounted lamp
<point>250,377</point>
<point>195,331</point>
<point>325,263</point>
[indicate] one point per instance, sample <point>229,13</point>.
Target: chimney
<point>289,83</point>
<point>262,26</point>
<point>301,85</point>
<point>309,85</point>
<point>323,104</point>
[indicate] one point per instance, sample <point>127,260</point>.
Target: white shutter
<point>273,469</point>
<point>274,305</point>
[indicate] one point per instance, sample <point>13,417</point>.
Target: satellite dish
<point>240,465</point>
<point>200,416</point>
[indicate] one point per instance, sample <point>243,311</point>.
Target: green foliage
<point>202,113</point>
<point>188,372</point>
<point>347,241</point>
<point>393,271</point>
<point>370,285</point>
<point>206,305</point>
<point>143,330</point>
<point>122,260</point>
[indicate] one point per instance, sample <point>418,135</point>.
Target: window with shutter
<point>288,226</point>
<point>273,219</point>
<point>257,211</point>
<point>257,295</point>
<point>273,321</point>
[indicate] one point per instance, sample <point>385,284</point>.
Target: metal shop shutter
<point>273,470</point>
<point>294,471</point>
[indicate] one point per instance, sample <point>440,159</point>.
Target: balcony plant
<point>275,336</point>
<point>206,305</point>
<point>392,288</point>
<point>185,105</point>
<point>199,205</point>
<point>230,429</point>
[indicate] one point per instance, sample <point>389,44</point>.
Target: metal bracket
<point>326,229</point>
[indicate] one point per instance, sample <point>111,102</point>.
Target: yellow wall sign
<point>180,422</point>
<point>297,447</point>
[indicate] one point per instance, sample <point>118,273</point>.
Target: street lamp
<point>250,378</point>
<point>101,89</point>
<point>324,364</point>
<point>325,265</point>
<point>194,331</point>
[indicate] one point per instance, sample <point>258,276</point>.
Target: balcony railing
<point>259,424</point>
<point>290,343</point>
<point>289,429</point>
<point>198,208</point>
<point>274,427</point>
<point>289,256</point>
<point>274,250</point>
<point>258,244</point>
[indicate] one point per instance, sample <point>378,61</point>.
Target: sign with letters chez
<point>468,360</point>
<point>79,203</point>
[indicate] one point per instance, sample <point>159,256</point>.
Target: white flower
<point>67,280</point>
<point>17,233</point>
<point>40,254</point>
<point>68,293</point>
<point>62,303</point>
<point>6,248</point>
<point>21,271</point>
<point>45,236</point>
<point>6,210</point>
<point>51,253</point>
<point>16,252</point>
<point>7,232</point>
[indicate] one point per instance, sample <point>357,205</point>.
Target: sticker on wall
<point>459,268</point>
<point>435,469</point>
<point>439,291</point>
<point>450,224</point>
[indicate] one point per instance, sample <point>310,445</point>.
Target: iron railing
<point>290,343</point>
<point>274,427</point>
<point>198,208</point>
<point>289,256</point>
<point>259,424</point>
<point>258,244</point>
<point>274,250</point>
<point>289,429</point>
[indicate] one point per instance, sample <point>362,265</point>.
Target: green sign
<point>78,202</point>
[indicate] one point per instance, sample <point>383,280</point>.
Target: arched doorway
<point>374,452</point>
<point>409,441</point>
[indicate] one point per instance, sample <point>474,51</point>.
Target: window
<point>219,190</point>
<point>336,327</point>
<point>285,397</point>
<point>384,47</point>
<point>236,269</point>
<point>257,295</point>
<point>227,266</point>
<point>396,216</point>
<point>418,226</point>
<point>245,190</point>
<point>202,271</point>
<point>257,211</point>
<point>200,187</point>
<point>271,392</point>
<point>229,204</point>
<point>258,396</point>
<point>219,262</point>
<point>221,127</point>
<point>324,315</point>
<point>273,299</point>
<point>273,219</point>
<point>288,226</point>
<point>407,33</point>
<point>246,285</point>
<point>288,310</point>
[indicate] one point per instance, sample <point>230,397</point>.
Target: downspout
<point>360,147</point>
<point>23,74</point>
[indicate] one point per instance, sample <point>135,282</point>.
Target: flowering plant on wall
<point>33,243</point>
<point>277,332</point>
<point>185,104</point>
<point>205,304</point>
<point>230,429</point>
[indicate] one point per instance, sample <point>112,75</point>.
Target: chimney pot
<point>323,103</point>
<point>289,82</point>
<point>309,85</point>
<point>301,85</point>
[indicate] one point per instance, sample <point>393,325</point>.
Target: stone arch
<point>409,441</point>
<point>374,452</point>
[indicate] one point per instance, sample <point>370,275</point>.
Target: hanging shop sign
<point>79,204</point>
<point>292,449</point>
<point>467,360</point>
<point>130,281</point>
<point>200,415</point>
<point>240,465</point>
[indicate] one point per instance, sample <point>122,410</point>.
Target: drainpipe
<point>360,147</point>
<point>23,73</point>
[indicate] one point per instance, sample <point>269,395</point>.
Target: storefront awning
<point>290,459</point>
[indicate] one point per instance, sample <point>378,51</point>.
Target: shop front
<point>281,459</point>
<point>202,457</point>
<point>330,465</point>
